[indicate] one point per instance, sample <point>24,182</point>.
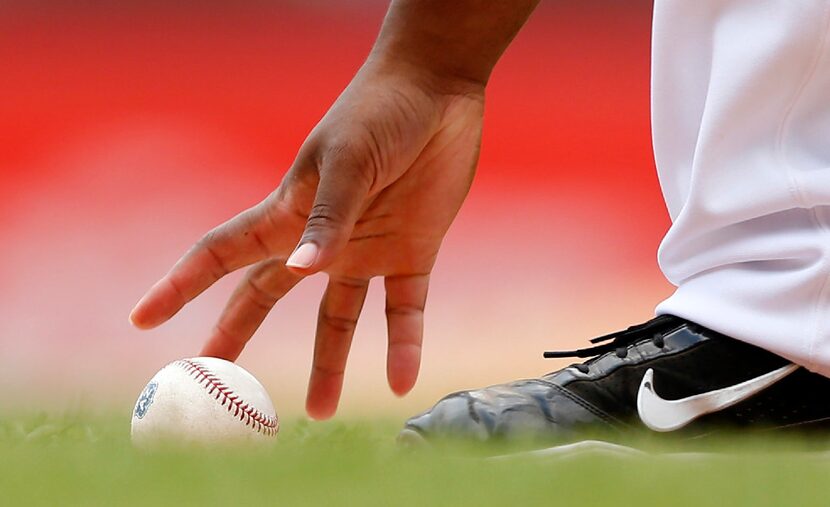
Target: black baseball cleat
<point>667,375</point>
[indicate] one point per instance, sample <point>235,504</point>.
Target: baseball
<point>203,401</point>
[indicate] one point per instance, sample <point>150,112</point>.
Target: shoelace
<point>618,341</point>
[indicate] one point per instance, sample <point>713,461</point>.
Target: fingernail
<point>304,256</point>
<point>134,314</point>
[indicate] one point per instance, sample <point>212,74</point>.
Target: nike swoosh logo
<point>669,415</point>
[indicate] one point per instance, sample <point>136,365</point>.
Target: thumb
<point>341,194</point>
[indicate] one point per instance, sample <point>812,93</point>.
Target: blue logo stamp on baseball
<point>145,400</point>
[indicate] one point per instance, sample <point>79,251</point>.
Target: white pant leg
<point>741,121</point>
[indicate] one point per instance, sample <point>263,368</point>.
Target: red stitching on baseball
<point>248,415</point>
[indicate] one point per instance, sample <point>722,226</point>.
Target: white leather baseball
<point>203,400</point>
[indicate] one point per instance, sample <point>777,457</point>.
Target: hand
<point>372,192</point>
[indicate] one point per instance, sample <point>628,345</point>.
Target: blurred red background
<point>128,129</point>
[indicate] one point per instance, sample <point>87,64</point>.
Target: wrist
<point>433,78</point>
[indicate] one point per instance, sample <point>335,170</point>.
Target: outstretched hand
<point>371,193</point>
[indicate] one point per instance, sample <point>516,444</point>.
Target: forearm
<point>452,39</point>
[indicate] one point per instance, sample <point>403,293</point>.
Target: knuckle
<point>338,154</point>
<point>405,310</point>
<point>361,158</point>
<point>207,240</point>
<point>353,283</point>
<point>259,296</point>
<point>324,215</point>
<point>339,149</point>
<point>229,337</point>
<point>208,245</point>
<point>177,289</point>
<point>328,371</point>
<point>339,324</point>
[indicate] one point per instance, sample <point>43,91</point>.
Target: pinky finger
<point>405,300</point>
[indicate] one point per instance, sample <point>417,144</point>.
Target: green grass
<point>89,461</point>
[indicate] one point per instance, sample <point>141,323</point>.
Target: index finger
<point>245,239</point>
